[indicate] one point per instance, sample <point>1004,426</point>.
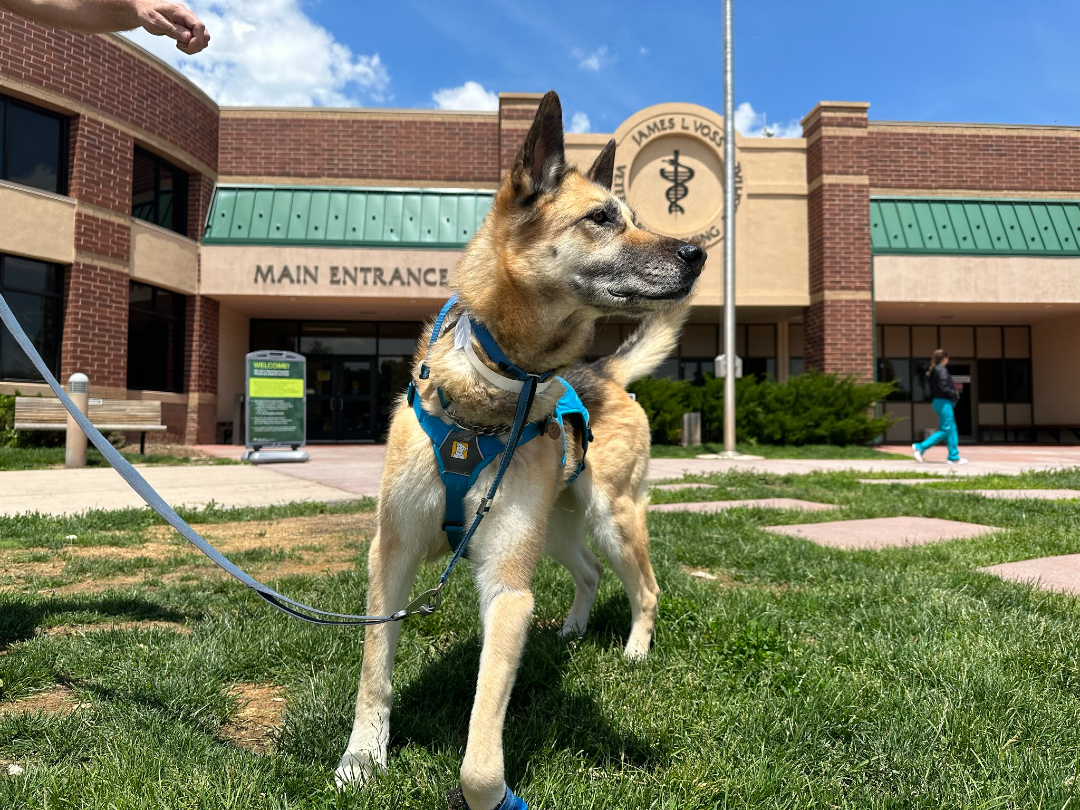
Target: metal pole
<point>729,236</point>
<point>75,443</point>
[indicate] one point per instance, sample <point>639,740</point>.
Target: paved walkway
<point>62,492</point>
<point>338,472</point>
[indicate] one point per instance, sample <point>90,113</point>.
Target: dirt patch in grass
<point>719,578</point>
<point>257,721</point>
<point>57,700</point>
<point>306,546</point>
<point>64,630</point>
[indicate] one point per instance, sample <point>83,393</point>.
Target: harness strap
<point>461,458</point>
<point>426,604</point>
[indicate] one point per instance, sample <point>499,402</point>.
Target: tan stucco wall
<point>232,271</point>
<point>36,224</point>
<point>1056,370</point>
<point>977,279</point>
<point>233,342</point>
<point>163,258</point>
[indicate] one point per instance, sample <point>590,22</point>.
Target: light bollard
<point>79,391</point>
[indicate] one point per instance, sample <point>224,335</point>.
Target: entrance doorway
<point>341,398</point>
<point>961,373</point>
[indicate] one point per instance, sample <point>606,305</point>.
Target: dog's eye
<point>599,217</point>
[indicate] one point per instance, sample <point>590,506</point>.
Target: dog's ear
<point>604,166</point>
<point>541,163</point>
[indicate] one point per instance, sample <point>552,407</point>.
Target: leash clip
<point>485,506</point>
<point>426,603</point>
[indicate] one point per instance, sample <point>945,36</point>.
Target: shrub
<point>9,437</point>
<point>664,403</point>
<point>810,408</point>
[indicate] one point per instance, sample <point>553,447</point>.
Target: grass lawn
<point>797,676</point>
<point>777,451</point>
<point>38,458</point>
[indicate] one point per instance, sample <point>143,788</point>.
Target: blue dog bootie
<point>455,799</point>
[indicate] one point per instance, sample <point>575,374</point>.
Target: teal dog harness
<point>462,454</point>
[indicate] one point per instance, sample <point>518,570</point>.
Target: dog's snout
<point>693,256</point>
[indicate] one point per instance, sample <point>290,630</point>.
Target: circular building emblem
<point>669,168</point>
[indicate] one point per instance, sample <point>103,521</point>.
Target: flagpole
<point>729,236</point>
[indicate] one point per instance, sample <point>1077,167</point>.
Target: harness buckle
<point>485,506</point>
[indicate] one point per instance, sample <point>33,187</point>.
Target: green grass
<point>38,458</point>
<point>822,678</point>
<point>776,451</point>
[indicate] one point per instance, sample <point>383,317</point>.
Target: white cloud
<point>469,96</point>
<point>751,124</point>
<point>592,61</point>
<point>643,51</point>
<point>579,122</point>
<point>269,52</point>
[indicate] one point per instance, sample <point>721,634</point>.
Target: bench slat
<point>41,413</point>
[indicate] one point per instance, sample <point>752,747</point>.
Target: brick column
<point>516,113</point>
<point>201,365</point>
<point>96,287</point>
<point>839,321</point>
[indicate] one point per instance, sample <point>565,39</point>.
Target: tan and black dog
<point>557,251</point>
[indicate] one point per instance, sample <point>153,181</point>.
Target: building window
<point>33,146</point>
<point>155,339</point>
<point>159,192</point>
<point>33,290</point>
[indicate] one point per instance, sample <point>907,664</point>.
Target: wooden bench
<point>1031,430</point>
<point>134,415</point>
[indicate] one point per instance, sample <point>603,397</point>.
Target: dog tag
<point>553,430</point>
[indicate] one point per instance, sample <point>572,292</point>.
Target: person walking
<point>944,398</point>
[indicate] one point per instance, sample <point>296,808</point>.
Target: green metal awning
<point>975,227</point>
<point>345,217</point>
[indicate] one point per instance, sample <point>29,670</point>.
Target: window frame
<point>57,295</point>
<point>62,158</point>
<point>179,322</point>
<point>180,202</point>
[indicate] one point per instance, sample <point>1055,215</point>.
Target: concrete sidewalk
<point>61,492</point>
<point>341,472</point>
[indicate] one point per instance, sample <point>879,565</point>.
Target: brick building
<point>151,238</point>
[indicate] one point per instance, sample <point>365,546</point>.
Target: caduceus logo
<point>678,175</point>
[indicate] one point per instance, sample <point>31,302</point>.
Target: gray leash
<point>425,604</point>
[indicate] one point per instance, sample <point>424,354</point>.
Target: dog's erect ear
<point>604,166</point>
<point>539,166</point>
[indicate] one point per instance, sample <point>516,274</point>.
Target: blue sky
<point>991,61</point>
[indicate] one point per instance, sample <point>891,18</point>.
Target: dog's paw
<point>354,770</point>
<point>571,631</point>
<point>636,651</point>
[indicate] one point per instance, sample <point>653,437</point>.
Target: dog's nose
<point>693,256</point>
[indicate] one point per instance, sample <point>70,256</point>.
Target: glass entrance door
<point>961,374</point>
<point>341,398</point>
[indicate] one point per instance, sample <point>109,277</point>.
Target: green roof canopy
<point>345,217</point>
<point>975,227</point>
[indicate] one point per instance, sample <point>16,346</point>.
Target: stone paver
<point>677,487</point>
<point>62,492</point>
<point>710,507</point>
<point>878,533</point>
<point>1049,573</point>
<point>1019,494</point>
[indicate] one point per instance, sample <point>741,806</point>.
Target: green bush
<point>810,408</point>
<point>9,437</point>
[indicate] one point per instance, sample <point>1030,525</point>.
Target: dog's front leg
<point>391,570</point>
<point>506,618</point>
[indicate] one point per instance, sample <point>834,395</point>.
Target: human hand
<point>176,21</point>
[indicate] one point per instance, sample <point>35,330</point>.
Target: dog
<point>556,252</point>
